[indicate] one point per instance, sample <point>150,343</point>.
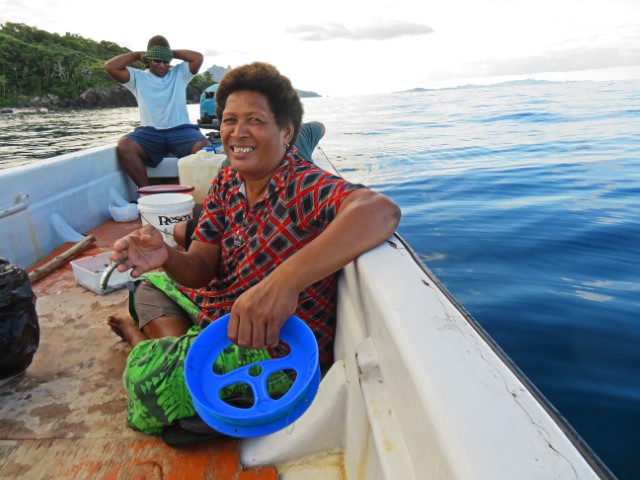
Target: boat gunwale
<point>574,437</point>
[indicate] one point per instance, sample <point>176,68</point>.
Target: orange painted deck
<point>64,417</point>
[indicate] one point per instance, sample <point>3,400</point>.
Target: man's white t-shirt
<point>162,101</point>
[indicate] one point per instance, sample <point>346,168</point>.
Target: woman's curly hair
<point>263,78</point>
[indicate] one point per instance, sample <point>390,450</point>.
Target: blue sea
<point>523,198</point>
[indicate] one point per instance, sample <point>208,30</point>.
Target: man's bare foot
<point>126,329</point>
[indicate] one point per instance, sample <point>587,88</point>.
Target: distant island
<point>217,73</point>
<point>43,70</point>
<point>528,81</point>
<point>304,94</point>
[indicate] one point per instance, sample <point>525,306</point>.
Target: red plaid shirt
<point>300,201</point>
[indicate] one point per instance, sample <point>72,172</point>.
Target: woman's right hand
<point>142,250</point>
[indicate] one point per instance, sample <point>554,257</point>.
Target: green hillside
<point>35,63</point>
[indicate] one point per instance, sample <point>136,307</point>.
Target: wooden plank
<point>61,259</point>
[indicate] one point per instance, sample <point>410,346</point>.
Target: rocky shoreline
<point>94,98</point>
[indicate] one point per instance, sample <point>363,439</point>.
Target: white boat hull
<point>37,199</point>
<point>418,392</point>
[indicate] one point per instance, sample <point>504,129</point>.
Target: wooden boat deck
<point>64,417</point>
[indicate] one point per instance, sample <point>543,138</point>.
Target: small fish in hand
<point>104,280</point>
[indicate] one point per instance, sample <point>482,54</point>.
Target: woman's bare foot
<point>126,329</point>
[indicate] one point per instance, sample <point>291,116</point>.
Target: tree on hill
<point>35,63</point>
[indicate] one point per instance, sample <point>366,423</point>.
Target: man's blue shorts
<point>159,143</point>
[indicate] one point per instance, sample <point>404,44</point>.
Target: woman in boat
<point>274,232</point>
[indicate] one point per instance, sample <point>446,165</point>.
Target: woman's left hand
<point>259,313</point>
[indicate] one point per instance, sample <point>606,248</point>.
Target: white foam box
<point>88,272</point>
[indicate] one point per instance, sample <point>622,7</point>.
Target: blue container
<point>266,414</point>
<point>208,107</point>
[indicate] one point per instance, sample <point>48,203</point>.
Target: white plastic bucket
<point>164,210</point>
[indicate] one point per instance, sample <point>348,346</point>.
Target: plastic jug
<point>199,170</point>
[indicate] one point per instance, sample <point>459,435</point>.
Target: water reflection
<point>28,135</point>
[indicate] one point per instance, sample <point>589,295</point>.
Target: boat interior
<point>417,389</point>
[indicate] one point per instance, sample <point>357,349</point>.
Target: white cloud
<point>377,30</point>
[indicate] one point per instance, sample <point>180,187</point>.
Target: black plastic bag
<point>19,328</point>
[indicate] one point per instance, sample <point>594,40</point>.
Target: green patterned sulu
<point>154,373</point>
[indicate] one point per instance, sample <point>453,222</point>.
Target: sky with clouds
<point>347,47</point>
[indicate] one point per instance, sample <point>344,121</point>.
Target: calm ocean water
<point>524,200</point>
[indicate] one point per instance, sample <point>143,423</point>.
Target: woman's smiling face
<point>251,137</point>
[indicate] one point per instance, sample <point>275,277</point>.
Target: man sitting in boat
<point>160,92</point>
<point>274,232</point>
